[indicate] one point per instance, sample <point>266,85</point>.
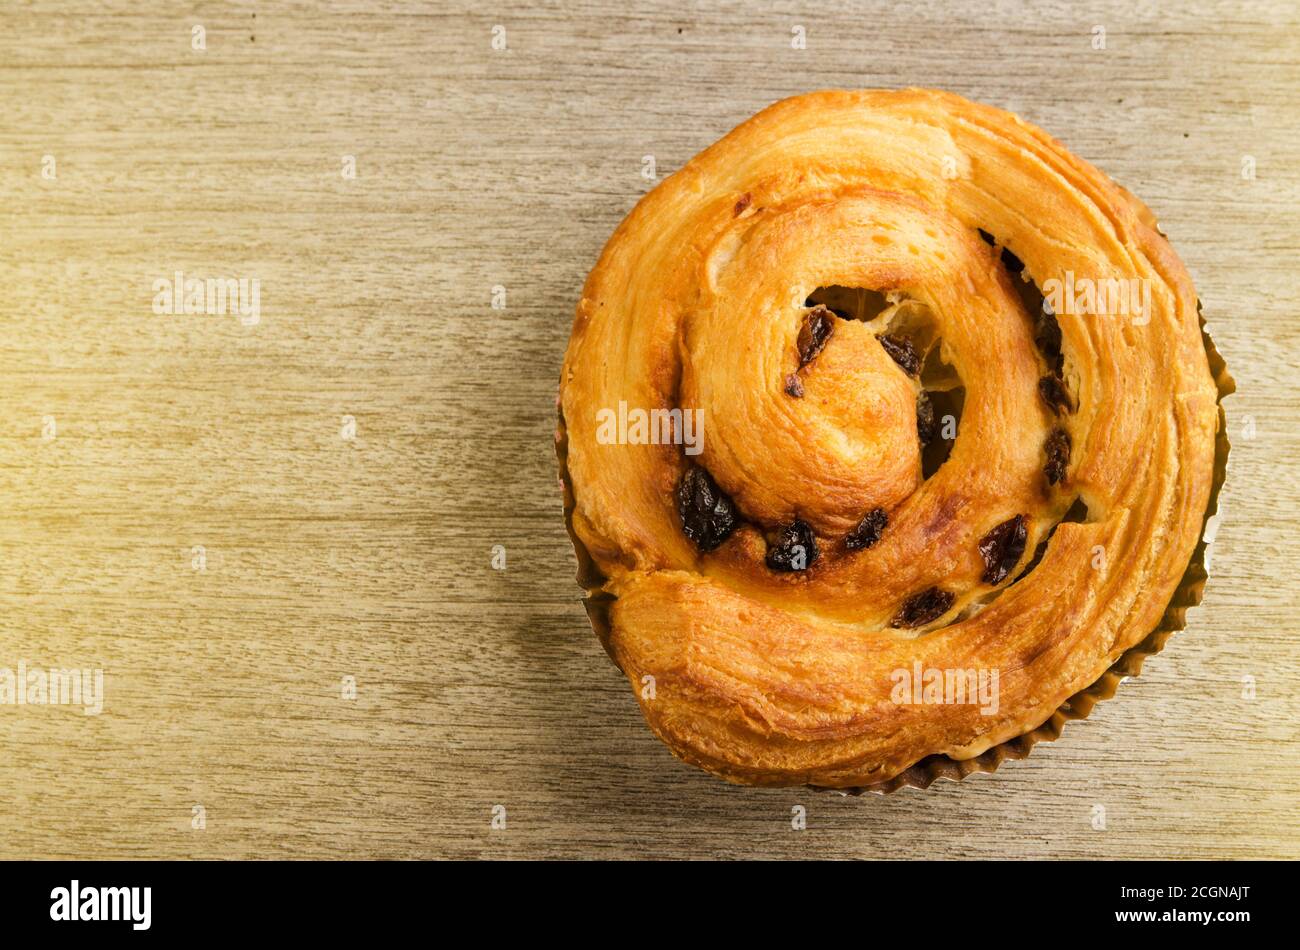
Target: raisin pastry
<point>955,423</point>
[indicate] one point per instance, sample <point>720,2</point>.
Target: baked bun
<point>957,418</point>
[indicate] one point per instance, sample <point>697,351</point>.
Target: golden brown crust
<point>697,302</point>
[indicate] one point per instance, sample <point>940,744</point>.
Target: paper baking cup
<point>924,773</point>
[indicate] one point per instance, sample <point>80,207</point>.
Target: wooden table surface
<point>184,511</point>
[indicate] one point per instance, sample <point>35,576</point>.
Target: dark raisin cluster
<point>868,531</point>
<point>1057,448</point>
<point>903,352</point>
<point>920,609</point>
<point>795,549</point>
<point>817,328</point>
<point>708,516</point>
<point>1002,548</point>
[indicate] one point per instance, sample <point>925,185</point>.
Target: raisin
<point>901,350</point>
<point>985,236</point>
<point>795,549</point>
<point>742,204</point>
<point>923,607</point>
<point>1052,389</point>
<point>924,418</point>
<point>1057,448</point>
<point>708,515</point>
<point>1047,336</point>
<point>1001,549</point>
<point>868,530</point>
<point>816,330</point>
<point>1012,263</point>
<point>794,386</point>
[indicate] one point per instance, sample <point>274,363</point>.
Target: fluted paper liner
<point>925,772</point>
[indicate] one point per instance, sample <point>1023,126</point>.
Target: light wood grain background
<point>370,558</point>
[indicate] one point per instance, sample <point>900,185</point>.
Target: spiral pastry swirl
<point>915,457</point>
